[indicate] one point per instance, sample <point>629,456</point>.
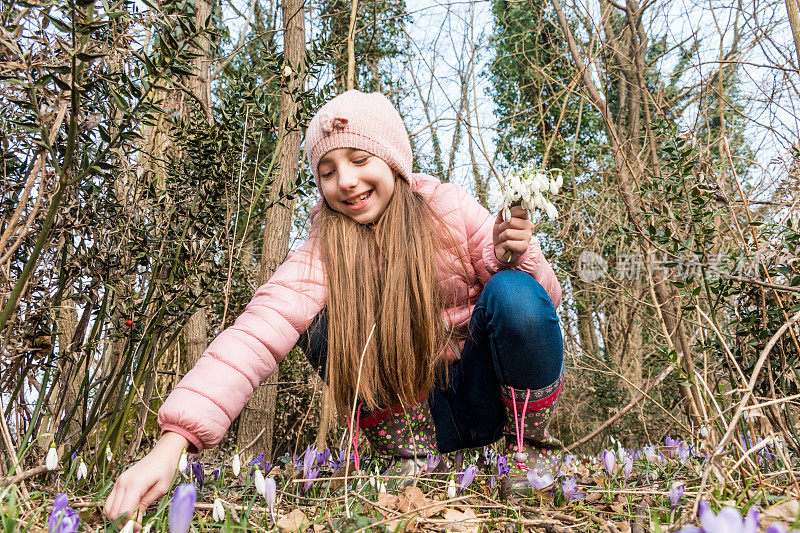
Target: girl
<point>400,300</point>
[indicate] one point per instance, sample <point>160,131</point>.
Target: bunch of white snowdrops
<point>529,188</point>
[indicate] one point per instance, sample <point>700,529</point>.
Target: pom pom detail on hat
<point>364,121</point>
<point>328,123</point>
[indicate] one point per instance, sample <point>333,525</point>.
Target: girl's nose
<point>348,177</point>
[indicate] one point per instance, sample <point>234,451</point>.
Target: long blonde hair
<point>384,275</point>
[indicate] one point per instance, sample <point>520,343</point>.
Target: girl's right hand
<point>146,481</point>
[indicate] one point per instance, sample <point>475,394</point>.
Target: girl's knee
<point>519,297</point>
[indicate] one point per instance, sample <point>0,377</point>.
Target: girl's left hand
<point>512,237</point>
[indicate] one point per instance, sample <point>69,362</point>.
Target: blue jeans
<point>514,339</point>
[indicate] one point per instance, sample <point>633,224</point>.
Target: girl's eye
<point>361,160</point>
<point>327,174</point>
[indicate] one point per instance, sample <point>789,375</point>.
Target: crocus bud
<point>258,478</point>
<point>51,461</point>
<point>219,511</point>
<point>182,462</point>
<point>675,495</point>
<point>82,471</point>
<point>270,493</point>
<point>236,464</point>
<point>627,466</point>
<point>609,461</point>
<point>181,510</point>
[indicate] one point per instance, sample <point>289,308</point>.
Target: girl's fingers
<point>519,212</point>
<point>516,235</point>
<point>112,502</point>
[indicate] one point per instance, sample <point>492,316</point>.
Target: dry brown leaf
<point>786,511</point>
<point>593,497</point>
<point>293,521</point>
<point>458,521</point>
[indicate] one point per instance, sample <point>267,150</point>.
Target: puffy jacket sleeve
<point>479,225</point>
<point>213,393</point>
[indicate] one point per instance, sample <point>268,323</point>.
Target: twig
<point>35,471</point>
<point>353,421</point>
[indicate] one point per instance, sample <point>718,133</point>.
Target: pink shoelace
<point>519,425</point>
<point>355,435</point>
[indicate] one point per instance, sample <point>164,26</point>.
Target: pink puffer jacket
<point>211,395</point>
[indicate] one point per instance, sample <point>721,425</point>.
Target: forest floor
<point>662,488</point>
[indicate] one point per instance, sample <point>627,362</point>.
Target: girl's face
<point>356,183</point>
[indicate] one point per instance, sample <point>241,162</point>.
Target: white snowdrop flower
<point>182,462</point>
<point>550,209</point>
<point>82,472</point>
<point>553,186</point>
<point>261,484</point>
<point>506,214</point>
<point>219,511</point>
<point>451,489</point>
<point>543,182</point>
<point>236,464</point>
<point>559,180</point>
<point>371,481</point>
<point>381,487</point>
<point>51,461</point>
<point>128,527</point>
<point>146,529</point>
<point>538,201</point>
<point>703,431</point>
<point>109,454</point>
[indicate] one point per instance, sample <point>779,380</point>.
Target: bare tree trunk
<point>794,21</point>
<point>257,418</point>
<point>196,330</point>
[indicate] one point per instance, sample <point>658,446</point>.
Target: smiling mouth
<point>358,199</point>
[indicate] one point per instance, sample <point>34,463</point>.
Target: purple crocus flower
<point>502,465</point>
<point>539,482</point>
<point>323,456</point>
<point>215,473</point>
<point>466,477</point>
<point>309,459</point>
<point>683,451</point>
<point>609,461</point>
<point>181,509</point>
<point>627,466</point>
<point>570,488</point>
<point>433,462</point>
<point>492,482</point>
<point>650,453</point>
<point>258,460</point>
<point>728,520</point>
<point>675,495</point>
<point>568,458</point>
<point>672,445</point>
<point>310,477</point>
<point>199,474</point>
<point>74,455</point>
<point>62,519</point>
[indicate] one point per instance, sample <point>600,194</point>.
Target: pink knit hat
<point>364,121</point>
